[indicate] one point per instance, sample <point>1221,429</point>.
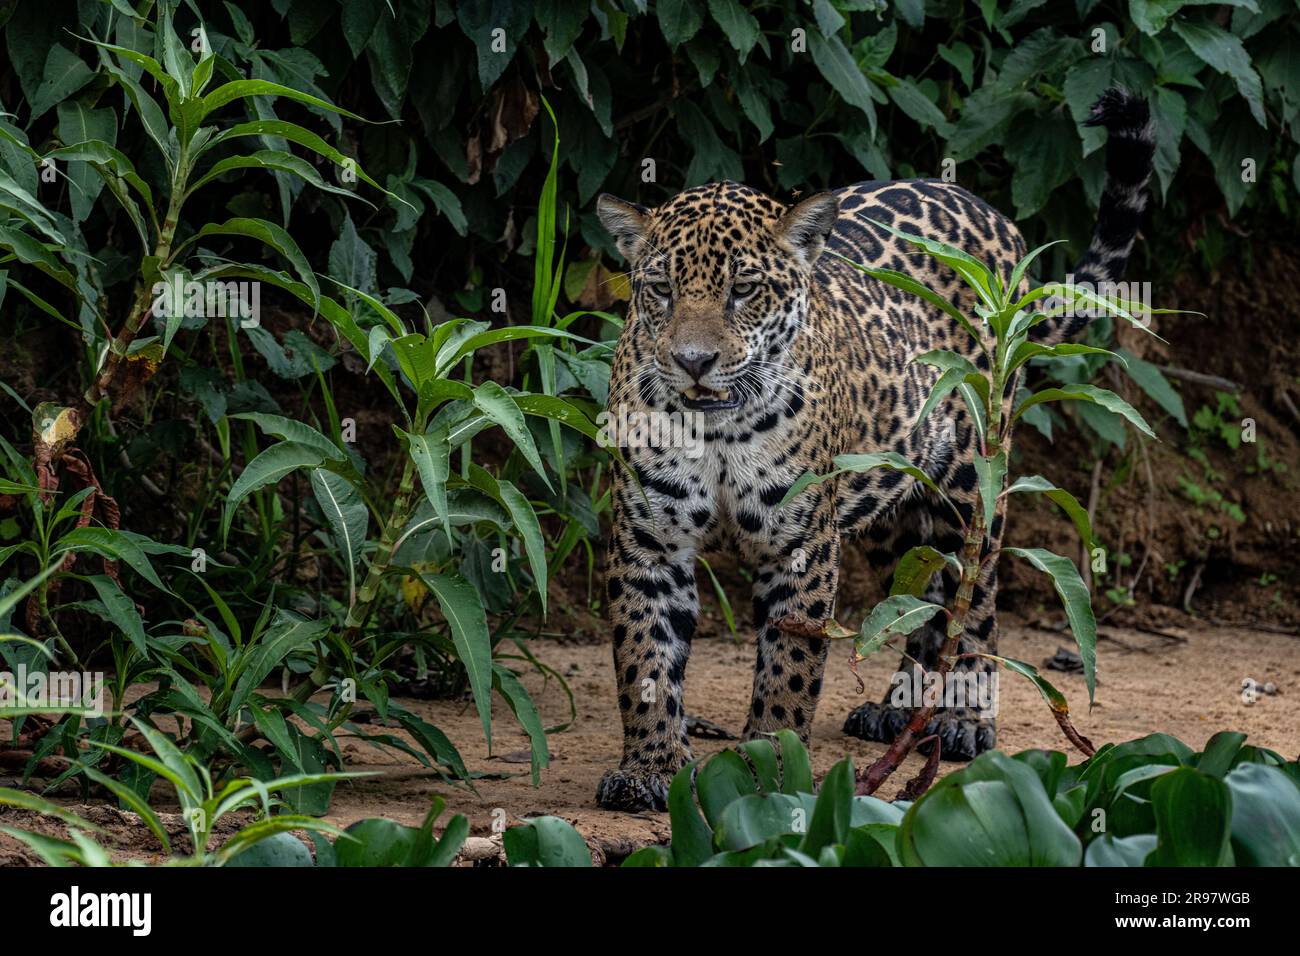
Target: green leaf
<point>679,20</point>
<point>976,274</point>
<point>525,711</point>
<point>915,569</point>
<point>239,89</point>
<point>1193,819</point>
<point>1226,54</point>
<point>796,767</point>
<point>837,67</point>
<point>1265,816</point>
<point>833,811</point>
<point>545,841</point>
<point>432,456</point>
<point>348,520</point>
<point>255,664</point>
<point>1152,381</point>
<point>860,463</point>
<point>1063,499</point>
<point>271,235</point>
<point>121,610</point>
<point>273,160</point>
<point>267,469</point>
<point>991,471</point>
<point>292,430</point>
<point>1087,393</point>
<point>463,609</point>
<point>692,839</point>
<point>64,74</point>
<point>895,615</point>
<point>1078,605</point>
<point>737,23</point>
<point>499,406</point>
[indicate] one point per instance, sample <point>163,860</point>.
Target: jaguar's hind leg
<point>967,700</point>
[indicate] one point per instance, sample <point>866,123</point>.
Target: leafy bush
<point>1146,802</point>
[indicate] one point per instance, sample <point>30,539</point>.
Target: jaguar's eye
<point>662,289</point>
<point>740,290</point>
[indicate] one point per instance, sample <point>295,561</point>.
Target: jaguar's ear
<point>804,227</point>
<point>626,222</point>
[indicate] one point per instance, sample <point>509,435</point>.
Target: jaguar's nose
<point>696,362</point>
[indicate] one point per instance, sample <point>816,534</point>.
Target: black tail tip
<point>1119,109</point>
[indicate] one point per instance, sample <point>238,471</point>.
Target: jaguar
<point>784,357</point>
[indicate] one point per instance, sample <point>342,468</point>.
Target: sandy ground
<point>1186,683</point>
<point>1190,688</point>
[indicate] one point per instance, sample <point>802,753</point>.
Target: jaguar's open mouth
<point>702,399</point>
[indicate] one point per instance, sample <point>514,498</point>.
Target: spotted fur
<point>731,295</point>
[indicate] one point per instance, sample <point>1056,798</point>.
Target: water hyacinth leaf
<point>796,767</point>
<point>692,838</point>
<point>1078,605</point>
<point>545,841</point>
<point>1265,816</point>
<point>1193,819</point>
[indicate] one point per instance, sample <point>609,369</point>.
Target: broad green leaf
<point>545,841</point>
<point>1193,819</point>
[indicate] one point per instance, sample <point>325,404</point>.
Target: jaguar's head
<point>720,278</point>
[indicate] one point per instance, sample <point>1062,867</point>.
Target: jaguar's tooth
<point>724,394</point>
<point>693,392</point>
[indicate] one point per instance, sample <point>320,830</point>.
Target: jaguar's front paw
<point>878,722</point>
<point>962,735</point>
<point>626,789</point>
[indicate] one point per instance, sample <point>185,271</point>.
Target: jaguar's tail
<point>1129,153</point>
